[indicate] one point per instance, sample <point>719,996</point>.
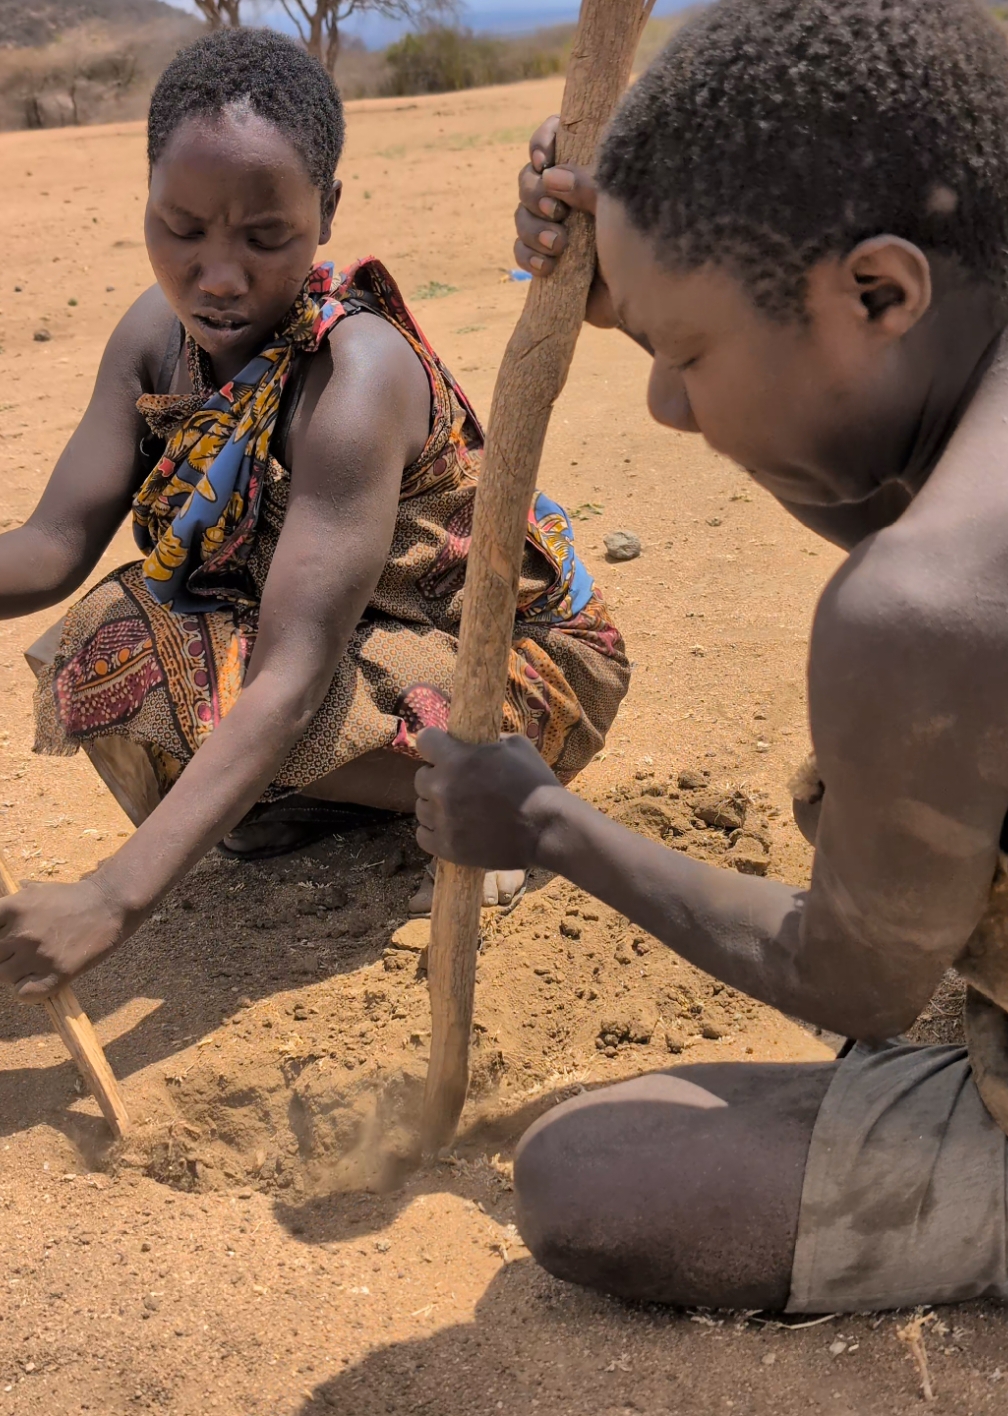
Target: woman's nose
<point>668,400</point>
<point>222,279</point>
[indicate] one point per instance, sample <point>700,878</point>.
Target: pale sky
<point>497,15</point>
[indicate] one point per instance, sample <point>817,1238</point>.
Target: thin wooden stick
<point>531,377</point>
<point>74,1027</point>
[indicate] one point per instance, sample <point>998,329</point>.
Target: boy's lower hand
<point>51,933</point>
<point>481,806</point>
<point>547,196</point>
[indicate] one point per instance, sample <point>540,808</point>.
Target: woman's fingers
<point>33,988</point>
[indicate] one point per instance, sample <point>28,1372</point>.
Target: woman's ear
<point>891,279</point>
<point>330,203</point>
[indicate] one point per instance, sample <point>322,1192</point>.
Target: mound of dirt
<point>313,1079</point>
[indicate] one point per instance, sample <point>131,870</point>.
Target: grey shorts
<point>905,1197</point>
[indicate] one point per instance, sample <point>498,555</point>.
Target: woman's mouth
<point>219,323</point>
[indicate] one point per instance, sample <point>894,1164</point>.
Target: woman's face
<point>232,225</point>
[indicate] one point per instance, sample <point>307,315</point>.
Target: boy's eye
<point>189,234</point>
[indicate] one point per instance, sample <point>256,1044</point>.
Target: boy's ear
<point>329,205</point>
<point>891,280</point>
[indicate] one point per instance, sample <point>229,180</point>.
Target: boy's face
<point>820,411</point>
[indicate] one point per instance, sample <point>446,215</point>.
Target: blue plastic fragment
<point>520,275</point>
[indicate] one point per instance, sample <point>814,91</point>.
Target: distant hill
<point>27,24</point>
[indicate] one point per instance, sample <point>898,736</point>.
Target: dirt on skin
<point>266,1241</point>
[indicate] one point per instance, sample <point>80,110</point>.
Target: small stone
<point>711,1032</point>
<point>29,1366</point>
<point>713,521</point>
<point>724,809</point>
<point>300,1013</point>
<point>413,936</point>
<point>109,289</point>
<point>837,1347</point>
<point>640,945</point>
<point>768,1359</point>
<point>393,862</point>
<point>610,1051</point>
<point>382,1245</point>
<point>762,746</point>
<point>691,780</point>
<point>42,336</point>
<point>674,1040</point>
<point>72,300</point>
<point>145,1247</point>
<point>622,546</point>
<point>623,954</point>
<point>641,1032</point>
<point>569,929</point>
<point>749,856</point>
<point>151,1303</point>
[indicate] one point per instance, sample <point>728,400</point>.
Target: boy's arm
<point>906,847</point>
<point>361,421</point>
<point>93,483</point>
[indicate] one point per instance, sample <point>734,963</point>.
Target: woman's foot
<point>294,823</point>
<point>502,888</point>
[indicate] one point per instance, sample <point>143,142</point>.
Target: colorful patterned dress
<point>157,651</point>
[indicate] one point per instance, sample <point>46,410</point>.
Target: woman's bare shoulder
<point>137,346</point>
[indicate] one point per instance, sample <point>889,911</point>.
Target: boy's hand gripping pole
<point>74,1027</point>
<point>531,377</point>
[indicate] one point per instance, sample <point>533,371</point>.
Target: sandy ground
<point>263,1243</point>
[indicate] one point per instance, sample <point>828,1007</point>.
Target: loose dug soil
<point>266,1241</point>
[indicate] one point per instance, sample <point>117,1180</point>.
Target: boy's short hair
<point>277,79</point>
<point>772,133</point>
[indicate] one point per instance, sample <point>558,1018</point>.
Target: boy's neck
<point>961,343</point>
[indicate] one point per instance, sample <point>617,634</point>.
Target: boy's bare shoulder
<point>912,630</point>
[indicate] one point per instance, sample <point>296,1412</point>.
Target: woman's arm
<point>93,483</point>
<point>364,417</point>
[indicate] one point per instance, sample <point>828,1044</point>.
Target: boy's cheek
<point>668,401</point>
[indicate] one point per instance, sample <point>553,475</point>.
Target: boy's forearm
<point>741,929</point>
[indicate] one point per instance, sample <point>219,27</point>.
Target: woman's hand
<point>51,933</point>
<point>547,195</point>
<point>483,806</point>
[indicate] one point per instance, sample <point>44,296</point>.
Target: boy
<point>801,213</point>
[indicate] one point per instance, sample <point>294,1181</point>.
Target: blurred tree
<point>220,14</point>
<point>318,21</point>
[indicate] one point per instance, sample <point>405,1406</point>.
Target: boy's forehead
<point>649,293</point>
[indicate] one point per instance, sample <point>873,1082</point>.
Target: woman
<point>300,468</point>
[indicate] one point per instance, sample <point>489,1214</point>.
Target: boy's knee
<point>542,1187</point>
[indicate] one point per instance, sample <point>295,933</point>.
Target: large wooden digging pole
<point>532,375</point>
<point>74,1027</point>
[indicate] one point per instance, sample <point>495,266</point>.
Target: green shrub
<point>440,60</point>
